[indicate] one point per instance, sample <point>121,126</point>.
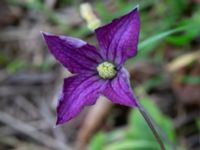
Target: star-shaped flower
<point>97,71</point>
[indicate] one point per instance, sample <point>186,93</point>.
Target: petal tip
<point>47,36</point>
<point>135,11</point>
<point>58,122</point>
<point>42,32</point>
<point>137,7</point>
<point>45,33</point>
<point>55,126</point>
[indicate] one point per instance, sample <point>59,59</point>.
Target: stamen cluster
<point>106,70</point>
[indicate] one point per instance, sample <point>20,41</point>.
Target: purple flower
<point>96,71</point>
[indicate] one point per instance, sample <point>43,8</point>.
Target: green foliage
<point>198,123</point>
<point>3,59</point>
<point>189,79</point>
<point>97,142</point>
<point>39,6</point>
<point>184,31</point>
<point>137,135</point>
<point>191,33</point>
<point>15,66</point>
<point>106,14</point>
<point>132,145</point>
<point>147,46</point>
<point>65,2</point>
<point>153,82</point>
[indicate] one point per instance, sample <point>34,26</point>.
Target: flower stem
<point>150,124</point>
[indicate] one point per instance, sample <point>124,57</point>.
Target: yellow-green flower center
<point>106,70</point>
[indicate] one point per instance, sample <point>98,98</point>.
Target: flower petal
<point>119,90</point>
<point>78,91</point>
<point>118,40</point>
<point>75,54</point>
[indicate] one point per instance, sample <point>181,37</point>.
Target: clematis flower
<point>96,71</point>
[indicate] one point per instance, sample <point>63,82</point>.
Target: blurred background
<point>165,76</point>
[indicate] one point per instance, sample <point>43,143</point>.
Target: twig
<point>48,117</point>
<point>32,132</point>
<point>93,121</point>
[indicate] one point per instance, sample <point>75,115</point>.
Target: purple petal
<point>75,54</point>
<point>78,91</point>
<point>118,40</point>
<point>119,90</point>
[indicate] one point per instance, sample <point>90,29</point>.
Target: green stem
<point>150,124</point>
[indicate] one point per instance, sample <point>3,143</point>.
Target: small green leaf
<point>97,142</point>
<point>190,79</point>
<point>15,65</point>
